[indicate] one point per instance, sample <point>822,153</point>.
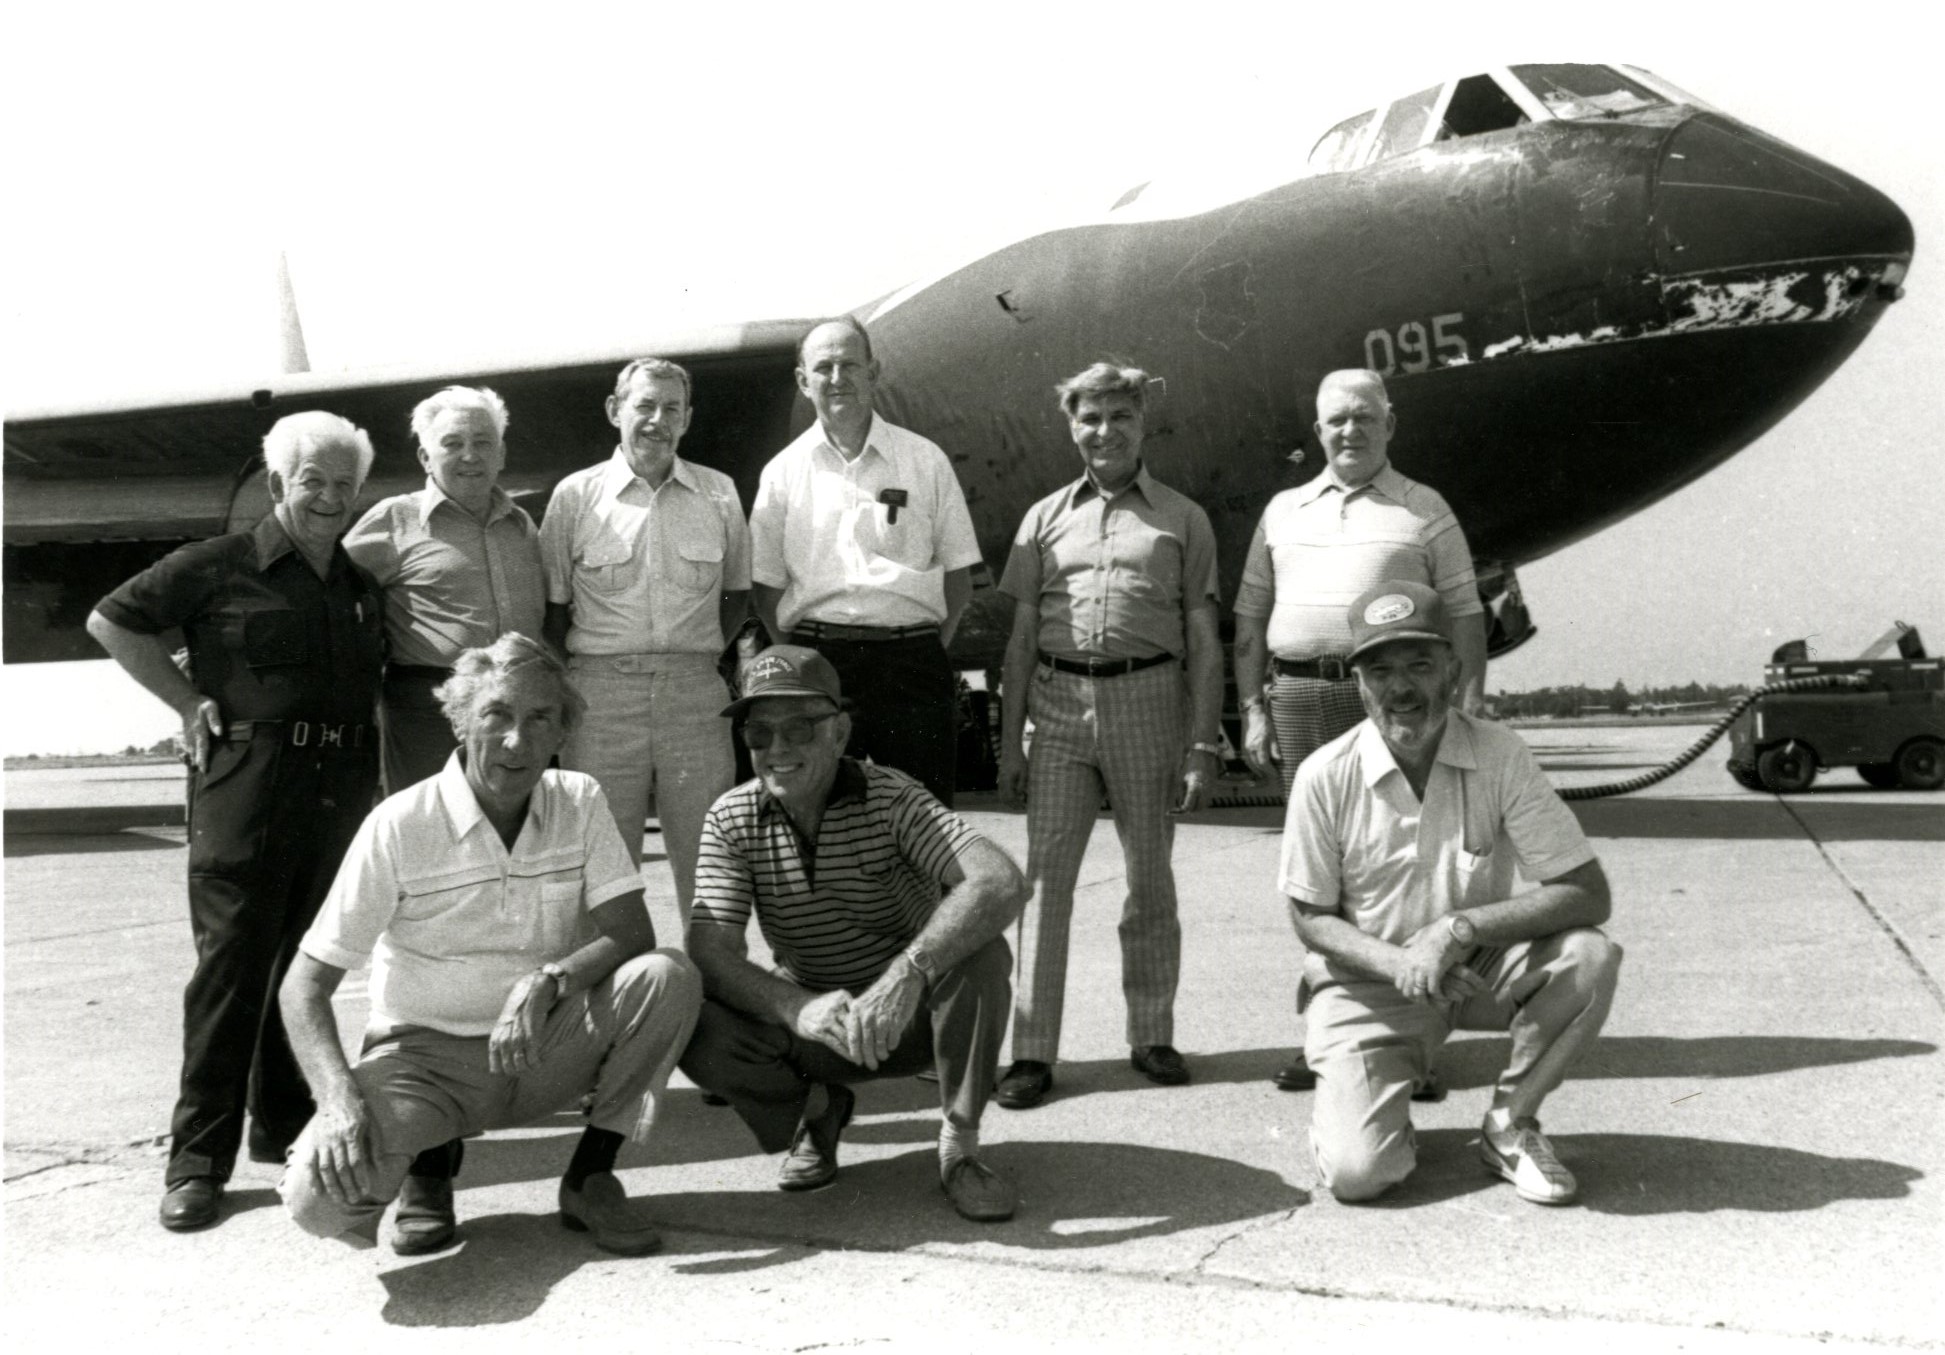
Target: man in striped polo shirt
<point>1319,546</point>
<point>886,917</point>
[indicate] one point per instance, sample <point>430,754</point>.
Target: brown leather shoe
<point>191,1204</point>
<point>1159,1063</point>
<point>601,1207</point>
<point>425,1221</point>
<point>811,1162</point>
<point>978,1192</point>
<point>1025,1085</point>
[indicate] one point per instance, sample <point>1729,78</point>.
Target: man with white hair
<point>459,562</point>
<point>513,974</point>
<point>1317,547</point>
<point>285,642</point>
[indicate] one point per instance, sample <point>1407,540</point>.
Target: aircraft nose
<point>1730,197</point>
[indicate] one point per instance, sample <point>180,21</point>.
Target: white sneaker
<point>1519,1152</point>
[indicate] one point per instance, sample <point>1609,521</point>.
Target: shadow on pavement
<point>1644,1174</point>
<point>1476,1062</point>
<point>1759,816</point>
<point>87,844</point>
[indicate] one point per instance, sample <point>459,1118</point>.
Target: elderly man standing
<point>1317,547</point>
<point>285,646</point>
<point>513,973</point>
<point>648,569</point>
<point>886,915</point>
<point>864,552</point>
<point>1113,580</point>
<point>1398,856</point>
<point>460,565</point>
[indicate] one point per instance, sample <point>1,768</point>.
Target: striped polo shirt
<point>839,918</point>
<point>1320,546</point>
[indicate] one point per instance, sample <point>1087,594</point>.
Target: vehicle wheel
<point>1921,765</point>
<point>1745,776</point>
<point>1883,775</point>
<point>1787,768</point>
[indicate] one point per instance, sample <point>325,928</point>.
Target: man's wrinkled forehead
<point>1342,388</point>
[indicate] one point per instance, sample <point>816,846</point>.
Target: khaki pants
<point>1369,1045</point>
<point>619,1039</point>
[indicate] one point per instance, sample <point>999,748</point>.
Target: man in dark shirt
<point>886,915</point>
<point>285,648</point>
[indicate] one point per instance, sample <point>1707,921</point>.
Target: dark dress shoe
<point>812,1159</point>
<point>425,1221</point>
<point>1025,1085</point>
<point>600,1207</point>
<point>1295,1076</point>
<point>191,1204</point>
<point>1159,1063</point>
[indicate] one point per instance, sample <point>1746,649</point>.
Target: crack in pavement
<point>1254,1226</point>
<point>1885,924</point>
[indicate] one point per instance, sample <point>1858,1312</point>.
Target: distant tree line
<point>1567,702</point>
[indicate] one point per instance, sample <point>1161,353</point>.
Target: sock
<point>955,1143</point>
<point>441,1163</point>
<point>595,1153</point>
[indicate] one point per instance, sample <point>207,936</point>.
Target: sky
<point>455,180</point>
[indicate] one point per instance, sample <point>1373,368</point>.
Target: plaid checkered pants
<point>1308,713</point>
<point>1125,735</point>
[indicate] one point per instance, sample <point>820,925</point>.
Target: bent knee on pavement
<point>1358,1176</point>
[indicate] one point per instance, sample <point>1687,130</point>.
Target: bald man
<point>1317,548</point>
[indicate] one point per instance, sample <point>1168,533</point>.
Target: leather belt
<point>301,733</point>
<point>825,630</point>
<point>1331,668</point>
<point>1104,668</point>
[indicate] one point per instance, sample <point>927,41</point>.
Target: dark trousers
<point>765,1071</point>
<point>268,824</point>
<point>905,707</point>
<point>416,734</point>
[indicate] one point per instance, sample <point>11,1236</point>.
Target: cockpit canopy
<point>1501,98</point>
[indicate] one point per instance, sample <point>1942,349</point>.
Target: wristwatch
<point>927,967</point>
<point>1214,750</point>
<point>1462,929</point>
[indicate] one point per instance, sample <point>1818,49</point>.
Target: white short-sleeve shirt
<point>448,916</point>
<point>821,531</point>
<point>1358,842</point>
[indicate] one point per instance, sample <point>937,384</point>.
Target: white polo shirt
<point>645,569</point>
<point>450,918</point>
<point>819,532</point>
<point>1357,842</point>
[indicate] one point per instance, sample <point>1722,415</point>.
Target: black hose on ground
<point>1820,682</point>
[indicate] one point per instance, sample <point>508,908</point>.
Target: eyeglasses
<point>796,731</point>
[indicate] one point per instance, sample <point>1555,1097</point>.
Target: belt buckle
<point>1332,668</point>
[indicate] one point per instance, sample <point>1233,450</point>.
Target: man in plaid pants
<point>1115,652</point>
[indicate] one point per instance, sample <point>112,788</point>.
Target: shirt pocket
<point>273,637</point>
<point>605,565</point>
<point>908,541</point>
<point>699,563</point>
<point>560,914</point>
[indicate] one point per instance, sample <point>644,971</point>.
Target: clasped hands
<point>1426,968</point>
<point>865,1029</point>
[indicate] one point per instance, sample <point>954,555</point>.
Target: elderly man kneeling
<point>513,972</point>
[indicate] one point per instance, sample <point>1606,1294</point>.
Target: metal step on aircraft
<point>1584,286</point>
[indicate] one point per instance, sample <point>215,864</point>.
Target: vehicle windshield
<point>1577,91</point>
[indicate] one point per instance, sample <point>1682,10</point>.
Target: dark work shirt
<point>268,638</point>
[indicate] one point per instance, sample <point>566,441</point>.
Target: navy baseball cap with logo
<point>1397,610</point>
<point>787,670</point>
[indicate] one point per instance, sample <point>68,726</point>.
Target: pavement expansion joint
<point>1885,924</point>
<point>1237,1234</point>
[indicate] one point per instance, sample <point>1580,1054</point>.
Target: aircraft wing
<point>96,491</point>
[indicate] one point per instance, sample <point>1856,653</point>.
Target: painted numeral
<point>1412,349</point>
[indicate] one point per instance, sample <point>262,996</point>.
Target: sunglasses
<point>796,731</point>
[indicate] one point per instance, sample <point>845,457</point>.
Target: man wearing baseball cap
<point>1399,850</point>
<point>886,916</point>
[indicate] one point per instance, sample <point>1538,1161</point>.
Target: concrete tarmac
<point>1759,1135</point>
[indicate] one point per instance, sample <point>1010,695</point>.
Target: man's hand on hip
<point>879,1018</point>
<point>201,723</point>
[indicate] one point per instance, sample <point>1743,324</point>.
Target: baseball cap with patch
<point>787,670</point>
<point>1397,610</point>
